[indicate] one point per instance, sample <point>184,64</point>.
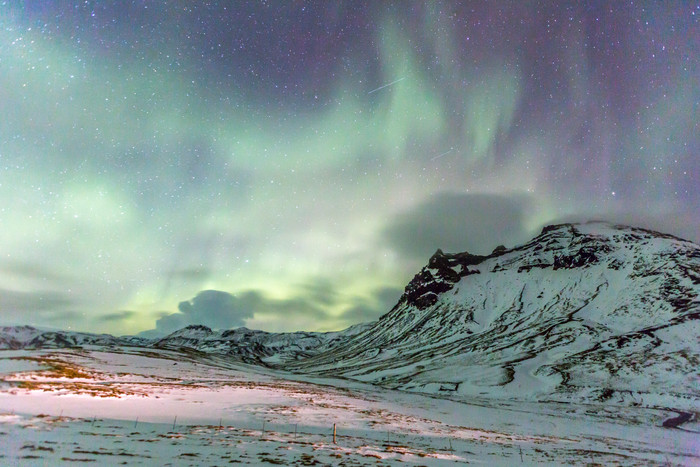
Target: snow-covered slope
<point>20,337</point>
<point>17,337</point>
<point>590,311</point>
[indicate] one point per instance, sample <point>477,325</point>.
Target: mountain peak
<point>605,228</point>
<point>191,331</point>
<point>197,327</point>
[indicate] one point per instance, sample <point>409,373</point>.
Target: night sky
<point>291,165</point>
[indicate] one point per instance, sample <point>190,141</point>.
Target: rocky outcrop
<point>439,276</point>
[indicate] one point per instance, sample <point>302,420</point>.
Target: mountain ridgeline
<point>591,311</point>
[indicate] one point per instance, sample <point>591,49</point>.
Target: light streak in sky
<point>386,85</point>
<point>443,154</point>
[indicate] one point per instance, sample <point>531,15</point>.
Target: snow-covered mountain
<point>253,346</point>
<point>591,311</point>
<point>241,344</point>
<point>20,337</point>
<point>16,337</point>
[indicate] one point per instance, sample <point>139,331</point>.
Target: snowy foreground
<point>156,407</point>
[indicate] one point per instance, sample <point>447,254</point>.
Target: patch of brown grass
<point>94,390</point>
<point>58,368</point>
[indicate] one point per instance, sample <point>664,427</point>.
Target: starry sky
<point>291,165</point>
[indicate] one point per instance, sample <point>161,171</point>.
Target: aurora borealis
<point>291,165</point>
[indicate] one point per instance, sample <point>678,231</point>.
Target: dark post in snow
<point>334,434</point>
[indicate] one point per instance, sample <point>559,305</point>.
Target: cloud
<point>320,290</point>
<point>33,271</point>
<point>300,313</point>
<point>14,301</point>
<point>173,322</point>
<point>212,308</point>
<point>253,309</point>
<point>662,219</point>
<point>457,222</point>
<point>383,301</point>
<point>222,310</point>
<point>117,316</point>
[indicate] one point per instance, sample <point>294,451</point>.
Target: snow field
<point>188,411</point>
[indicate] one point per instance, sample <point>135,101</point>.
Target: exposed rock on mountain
<point>440,275</point>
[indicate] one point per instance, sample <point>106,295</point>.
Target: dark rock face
<point>587,251</point>
<point>197,327</point>
<point>424,288</point>
<point>440,275</point>
<point>427,299</point>
<point>498,250</point>
<point>584,256</point>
